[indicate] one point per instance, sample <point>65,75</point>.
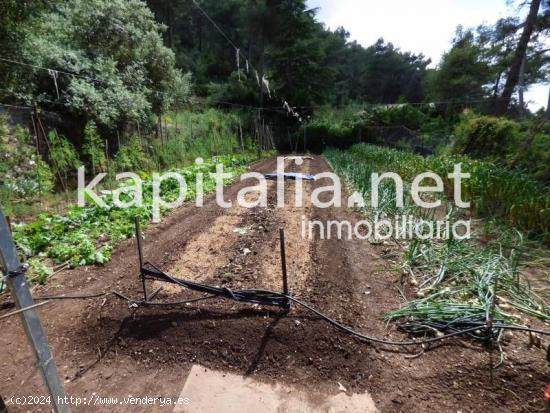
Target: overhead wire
<point>262,82</point>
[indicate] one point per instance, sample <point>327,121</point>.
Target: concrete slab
<point>216,392</point>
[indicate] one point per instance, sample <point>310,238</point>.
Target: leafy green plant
<point>63,156</point>
<point>39,272</point>
<point>94,148</point>
<point>132,156</point>
<point>85,236</point>
<point>493,190</point>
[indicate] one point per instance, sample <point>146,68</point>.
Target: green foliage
<point>63,155</point>
<point>520,145</point>
<point>493,190</point>
<point>306,63</point>
<point>87,235</point>
<point>384,124</point>
<point>455,278</point>
<point>124,72</point>
<point>333,127</point>
<point>132,156</point>
<point>23,175</point>
<point>240,91</point>
<point>198,134</point>
<point>486,136</point>
<point>39,272</point>
<point>462,74</point>
<point>94,148</point>
<point>533,153</point>
<point>396,115</point>
<point>190,135</point>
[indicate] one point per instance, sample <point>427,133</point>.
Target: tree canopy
<point>120,61</point>
<point>107,59</point>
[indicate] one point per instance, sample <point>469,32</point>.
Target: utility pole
<point>15,277</point>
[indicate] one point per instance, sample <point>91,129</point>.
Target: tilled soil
<point>104,346</point>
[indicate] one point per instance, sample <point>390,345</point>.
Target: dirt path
<point>105,348</point>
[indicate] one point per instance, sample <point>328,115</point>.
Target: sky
<point>425,26</point>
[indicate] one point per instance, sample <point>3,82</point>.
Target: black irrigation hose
<point>376,339</point>
<point>422,326</point>
<point>266,297</point>
<point>254,296</point>
<point>521,328</point>
<point>273,298</point>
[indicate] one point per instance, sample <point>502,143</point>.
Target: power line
<point>215,25</point>
<point>103,82</point>
<point>51,69</point>
<point>285,105</point>
<point>273,109</point>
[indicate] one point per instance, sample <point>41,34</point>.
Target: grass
<point>458,279</point>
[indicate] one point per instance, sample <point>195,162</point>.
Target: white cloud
<point>425,26</point>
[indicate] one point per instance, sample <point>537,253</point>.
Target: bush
<point>23,175</point>
<point>63,156</point>
<point>198,134</point>
<point>132,156</point>
<point>486,136</point>
<point>94,148</point>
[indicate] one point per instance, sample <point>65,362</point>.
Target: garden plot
<point>105,346</point>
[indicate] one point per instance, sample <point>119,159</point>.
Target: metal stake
<point>140,254</point>
<point>283,265</point>
<point>17,282</point>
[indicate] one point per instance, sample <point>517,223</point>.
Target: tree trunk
<point>521,50</point>
<point>497,85</point>
<point>521,88</point>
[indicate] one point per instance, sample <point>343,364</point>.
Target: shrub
<point>132,156</point>
<point>23,175</point>
<point>63,156</point>
<point>94,148</point>
<point>486,136</point>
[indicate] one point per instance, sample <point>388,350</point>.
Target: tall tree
<point>107,59</point>
<point>513,76</point>
<point>463,73</point>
